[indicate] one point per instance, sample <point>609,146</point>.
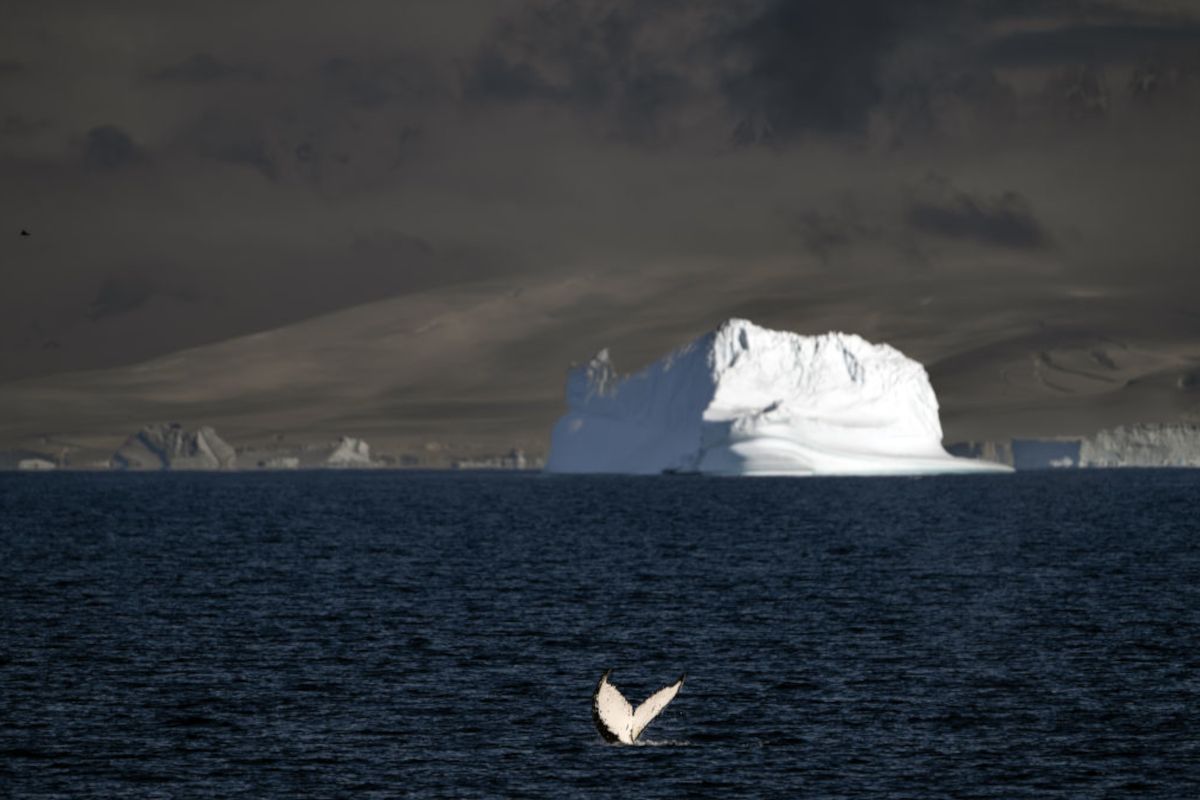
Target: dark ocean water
<point>440,635</point>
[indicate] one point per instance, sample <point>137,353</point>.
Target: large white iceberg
<point>744,400</point>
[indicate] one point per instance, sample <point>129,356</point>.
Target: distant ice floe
<point>351,453</point>
<point>745,400</point>
<point>280,462</point>
<point>171,446</point>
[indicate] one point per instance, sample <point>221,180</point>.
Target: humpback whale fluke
<point>618,721</point>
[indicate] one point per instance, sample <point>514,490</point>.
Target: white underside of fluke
<point>617,720</point>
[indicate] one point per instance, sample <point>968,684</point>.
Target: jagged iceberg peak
<point>745,399</point>
<point>755,367</point>
<point>593,379</point>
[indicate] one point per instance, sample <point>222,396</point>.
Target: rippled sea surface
<point>440,635</point>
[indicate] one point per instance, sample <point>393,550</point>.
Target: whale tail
<point>617,720</point>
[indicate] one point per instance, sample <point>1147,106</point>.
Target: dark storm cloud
<point>494,77</point>
<point>390,244</point>
<point>120,295</point>
<point>590,58</point>
<point>1092,44</point>
<point>825,232</point>
<point>814,67</point>
<point>1004,220</point>
<point>1156,78</point>
<point>17,126</point>
<point>780,70</point>
<point>127,292</point>
<point>108,147</point>
<point>233,139</point>
<point>203,68</point>
<point>1078,94</point>
<point>949,103</point>
<point>370,83</point>
<point>337,123</point>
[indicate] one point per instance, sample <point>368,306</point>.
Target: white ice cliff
<point>744,400</point>
<point>1143,446</point>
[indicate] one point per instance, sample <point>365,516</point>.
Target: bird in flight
<point>617,720</point>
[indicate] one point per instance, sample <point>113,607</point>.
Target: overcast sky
<point>191,172</point>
